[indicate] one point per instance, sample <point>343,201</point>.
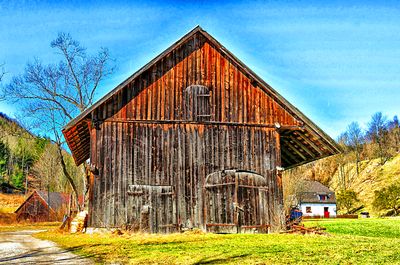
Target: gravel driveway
<point>21,248</point>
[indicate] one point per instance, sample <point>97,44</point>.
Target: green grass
<point>381,228</point>
<point>350,242</point>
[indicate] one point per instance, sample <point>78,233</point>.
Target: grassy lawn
<point>381,228</point>
<point>350,242</point>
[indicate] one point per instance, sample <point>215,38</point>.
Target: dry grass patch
<point>29,226</point>
<point>10,202</point>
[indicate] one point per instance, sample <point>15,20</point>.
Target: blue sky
<point>337,63</point>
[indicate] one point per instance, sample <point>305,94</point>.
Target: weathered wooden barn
<point>42,206</point>
<point>192,139</point>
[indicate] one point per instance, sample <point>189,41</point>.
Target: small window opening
<point>197,103</point>
<point>323,197</point>
<point>308,209</point>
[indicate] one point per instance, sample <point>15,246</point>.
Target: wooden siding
<point>159,92</point>
<point>178,156</point>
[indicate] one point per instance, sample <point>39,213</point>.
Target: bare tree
<point>355,141</point>
<point>377,133</point>
<point>2,72</point>
<point>342,160</point>
<point>51,95</point>
<point>394,127</point>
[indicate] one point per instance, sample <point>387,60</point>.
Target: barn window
<point>308,209</point>
<point>197,103</point>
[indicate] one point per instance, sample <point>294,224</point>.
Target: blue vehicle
<point>294,218</point>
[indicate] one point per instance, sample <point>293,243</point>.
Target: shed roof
<point>298,146</point>
<point>56,199</point>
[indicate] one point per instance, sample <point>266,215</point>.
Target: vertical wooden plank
<point>129,172</point>
<point>245,101</point>
<point>122,184</point>
<point>114,176</point>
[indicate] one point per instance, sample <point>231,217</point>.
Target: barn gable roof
<point>301,146</point>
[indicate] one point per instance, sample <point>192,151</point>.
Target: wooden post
<point>278,170</point>
<point>235,201</point>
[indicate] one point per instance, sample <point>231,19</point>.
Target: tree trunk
<point>87,186</point>
<point>68,176</point>
<point>357,163</point>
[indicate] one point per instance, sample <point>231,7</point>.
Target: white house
<point>317,200</point>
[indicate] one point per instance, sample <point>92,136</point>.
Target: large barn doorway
<point>236,202</point>
<point>154,208</point>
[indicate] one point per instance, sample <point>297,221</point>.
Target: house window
<point>197,103</point>
<point>308,209</point>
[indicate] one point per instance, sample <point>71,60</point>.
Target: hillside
<point>372,177</point>
<point>19,151</point>
<point>30,160</point>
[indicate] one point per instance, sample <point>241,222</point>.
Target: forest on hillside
<point>28,161</point>
<point>366,175</point>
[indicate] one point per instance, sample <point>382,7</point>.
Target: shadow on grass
<point>45,256</point>
<point>82,254</point>
<point>217,260</point>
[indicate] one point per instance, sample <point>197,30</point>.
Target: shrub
<point>388,199</point>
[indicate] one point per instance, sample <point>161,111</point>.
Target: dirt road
<point>21,248</point>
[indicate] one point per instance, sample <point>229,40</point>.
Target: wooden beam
<point>302,146</point>
<point>289,127</point>
<point>285,160</point>
<point>308,141</point>
<point>290,155</point>
<point>288,144</point>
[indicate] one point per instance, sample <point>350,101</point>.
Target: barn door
<point>236,202</point>
<point>153,208</point>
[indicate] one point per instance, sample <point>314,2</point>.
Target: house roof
<point>311,190</point>
<point>298,146</point>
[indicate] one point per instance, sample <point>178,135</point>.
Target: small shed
<point>317,200</point>
<point>44,206</point>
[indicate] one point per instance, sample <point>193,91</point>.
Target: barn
<point>194,139</point>
<point>42,206</point>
